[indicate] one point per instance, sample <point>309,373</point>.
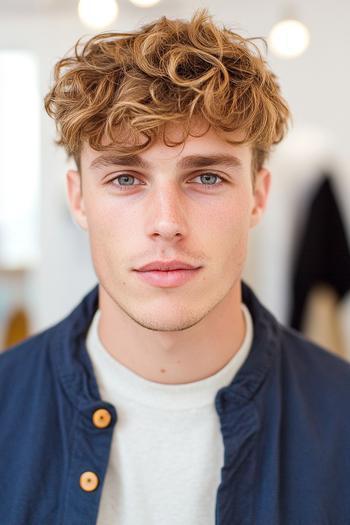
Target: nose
<point>168,215</point>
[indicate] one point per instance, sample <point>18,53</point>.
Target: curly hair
<point>119,85</point>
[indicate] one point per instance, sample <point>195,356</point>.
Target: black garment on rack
<point>322,253</point>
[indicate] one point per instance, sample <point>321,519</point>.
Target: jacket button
<point>88,481</point>
<point>101,418</point>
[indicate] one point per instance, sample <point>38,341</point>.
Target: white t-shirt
<point>167,450</point>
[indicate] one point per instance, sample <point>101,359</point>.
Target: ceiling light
<point>289,38</point>
<point>97,14</point>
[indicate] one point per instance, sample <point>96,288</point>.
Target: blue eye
<point>121,177</point>
<point>209,186</point>
<point>202,176</point>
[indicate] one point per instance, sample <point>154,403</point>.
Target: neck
<point>174,357</point>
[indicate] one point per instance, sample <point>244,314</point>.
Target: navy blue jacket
<point>284,420</point>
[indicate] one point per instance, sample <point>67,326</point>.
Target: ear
<point>75,196</point>
<point>260,194</point>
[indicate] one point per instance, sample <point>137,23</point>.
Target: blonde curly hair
<point>119,85</point>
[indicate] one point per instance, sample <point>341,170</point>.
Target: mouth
<point>161,265</point>
<point>168,278</point>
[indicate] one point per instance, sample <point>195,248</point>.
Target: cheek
<point>102,224</point>
<point>228,225</point>
<point>105,231</point>
<point>104,218</point>
<point>229,217</point>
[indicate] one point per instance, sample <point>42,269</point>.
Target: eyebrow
<point>191,161</point>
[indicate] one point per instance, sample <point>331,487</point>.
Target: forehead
<point>202,140</point>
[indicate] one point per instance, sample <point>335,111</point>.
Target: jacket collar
<point>70,356</point>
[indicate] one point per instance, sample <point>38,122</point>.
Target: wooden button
<point>88,481</point>
<point>101,418</point>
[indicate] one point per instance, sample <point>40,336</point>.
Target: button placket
<point>89,480</point>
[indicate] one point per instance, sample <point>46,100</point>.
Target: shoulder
<point>303,352</point>
<point>313,369</point>
<point>36,347</point>
<point>26,349</point>
<point>22,365</point>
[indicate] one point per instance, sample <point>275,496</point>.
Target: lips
<point>166,266</point>
<point>168,279</point>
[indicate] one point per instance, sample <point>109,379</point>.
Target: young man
<point>170,394</point>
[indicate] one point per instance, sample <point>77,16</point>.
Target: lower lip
<point>168,279</point>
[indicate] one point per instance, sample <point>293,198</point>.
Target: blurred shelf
<point>13,272</point>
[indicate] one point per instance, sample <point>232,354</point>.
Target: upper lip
<point>166,265</point>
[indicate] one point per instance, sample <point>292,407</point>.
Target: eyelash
<point>207,186</point>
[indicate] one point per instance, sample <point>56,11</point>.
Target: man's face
<point>160,209</point>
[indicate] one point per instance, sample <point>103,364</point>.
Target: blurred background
<point>298,260</point>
